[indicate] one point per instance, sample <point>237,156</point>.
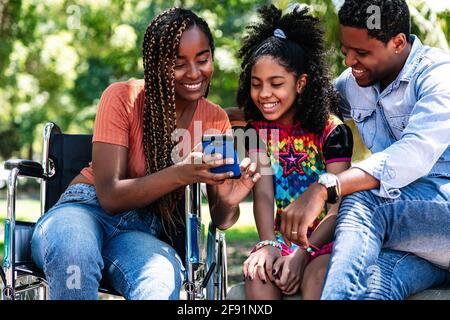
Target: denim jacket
<point>406,126</point>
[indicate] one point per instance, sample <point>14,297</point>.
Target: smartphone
<point>223,144</point>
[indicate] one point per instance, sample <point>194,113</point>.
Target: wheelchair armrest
<point>26,168</point>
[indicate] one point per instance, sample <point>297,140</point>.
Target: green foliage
<point>9,141</point>
<point>242,234</point>
<point>57,56</point>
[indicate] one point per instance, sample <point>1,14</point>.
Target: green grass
<point>242,234</point>
<point>26,210</point>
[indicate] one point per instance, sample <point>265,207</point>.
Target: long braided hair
<point>303,51</point>
<point>159,49</point>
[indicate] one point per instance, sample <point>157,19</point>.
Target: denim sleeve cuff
<point>376,166</point>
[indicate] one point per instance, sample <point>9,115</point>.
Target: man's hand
<point>301,213</point>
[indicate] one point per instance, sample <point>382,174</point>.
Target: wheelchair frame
<point>206,270</point>
<point>200,265</point>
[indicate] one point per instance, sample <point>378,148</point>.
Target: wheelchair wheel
<point>216,288</point>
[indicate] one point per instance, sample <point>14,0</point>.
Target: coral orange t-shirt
<point>119,121</point>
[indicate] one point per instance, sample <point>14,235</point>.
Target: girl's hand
<point>261,262</point>
<point>301,213</point>
<point>233,191</point>
<point>288,271</point>
<point>195,168</point>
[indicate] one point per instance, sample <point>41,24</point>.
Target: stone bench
<point>236,292</point>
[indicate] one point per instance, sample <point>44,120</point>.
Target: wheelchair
<point>63,157</point>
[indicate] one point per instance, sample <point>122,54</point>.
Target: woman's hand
<point>288,271</point>
<point>301,213</point>
<point>261,262</point>
<point>233,191</point>
<point>195,168</point>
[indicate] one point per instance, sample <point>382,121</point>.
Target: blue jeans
<point>76,243</point>
<point>412,230</point>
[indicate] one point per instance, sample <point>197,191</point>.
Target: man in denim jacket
<point>398,93</point>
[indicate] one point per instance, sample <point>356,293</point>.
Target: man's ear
<point>301,83</point>
<point>399,42</point>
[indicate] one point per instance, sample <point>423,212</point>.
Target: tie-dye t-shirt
<point>298,158</point>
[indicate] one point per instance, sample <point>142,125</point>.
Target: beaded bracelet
<point>264,243</point>
<point>313,250</point>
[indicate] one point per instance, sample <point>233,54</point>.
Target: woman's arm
<point>224,198</point>
<point>223,215</point>
<point>116,193</point>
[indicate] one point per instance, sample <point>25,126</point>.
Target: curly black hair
<point>394,17</point>
<point>303,51</point>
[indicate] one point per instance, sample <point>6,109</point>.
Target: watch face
<point>327,179</point>
<point>330,181</point>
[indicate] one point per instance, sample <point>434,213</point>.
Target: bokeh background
<point>56,57</point>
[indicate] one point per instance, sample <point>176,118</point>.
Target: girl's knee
<point>256,289</point>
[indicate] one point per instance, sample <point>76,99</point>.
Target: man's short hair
<point>394,17</point>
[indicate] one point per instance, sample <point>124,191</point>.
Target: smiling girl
<point>289,101</point>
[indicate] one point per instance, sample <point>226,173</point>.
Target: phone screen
<point>223,144</point>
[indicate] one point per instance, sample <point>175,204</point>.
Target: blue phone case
<point>224,145</point>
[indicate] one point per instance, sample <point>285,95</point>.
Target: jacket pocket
<point>365,120</point>
<point>398,124</point>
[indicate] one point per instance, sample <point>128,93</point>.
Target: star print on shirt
<point>292,160</point>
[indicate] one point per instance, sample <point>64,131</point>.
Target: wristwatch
<point>331,182</point>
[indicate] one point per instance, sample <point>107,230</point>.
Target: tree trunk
<point>30,151</point>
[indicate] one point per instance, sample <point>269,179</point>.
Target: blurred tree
<point>57,56</point>
<point>430,25</point>
<point>9,16</point>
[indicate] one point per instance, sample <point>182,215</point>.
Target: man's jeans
<point>77,243</point>
<point>411,228</point>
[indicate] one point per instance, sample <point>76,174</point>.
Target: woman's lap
<point>76,234</point>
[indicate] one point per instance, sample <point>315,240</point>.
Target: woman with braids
<point>290,105</point>
<point>109,221</point>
